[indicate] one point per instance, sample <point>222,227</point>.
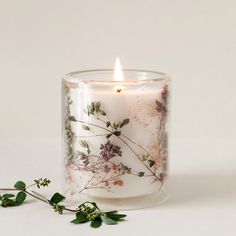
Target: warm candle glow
<point>118,76</point>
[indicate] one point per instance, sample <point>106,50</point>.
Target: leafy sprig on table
<point>85,212</point>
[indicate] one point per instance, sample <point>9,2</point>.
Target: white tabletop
<point>202,192</point>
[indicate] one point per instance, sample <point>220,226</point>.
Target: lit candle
<point>115,133</point>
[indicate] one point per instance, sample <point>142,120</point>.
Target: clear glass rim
<point>151,76</point>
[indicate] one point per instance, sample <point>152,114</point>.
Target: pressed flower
<point>109,150</point>
<point>118,182</point>
<point>164,93</point>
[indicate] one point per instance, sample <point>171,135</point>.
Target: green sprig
<point>91,212</point>
<point>85,212</point>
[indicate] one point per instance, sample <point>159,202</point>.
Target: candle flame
<point>118,76</point>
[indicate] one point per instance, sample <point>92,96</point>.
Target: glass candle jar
<point>115,137</point>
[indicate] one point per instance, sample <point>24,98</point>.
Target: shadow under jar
<point>115,138</point>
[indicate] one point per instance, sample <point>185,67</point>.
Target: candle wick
<point>118,90</point>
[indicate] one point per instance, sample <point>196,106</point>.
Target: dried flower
<point>162,177</point>
<point>160,107</point>
<point>118,182</point>
<point>107,169</point>
<point>84,158</point>
<point>42,182</point>
<point>109,150</point>
<point>164,93</point>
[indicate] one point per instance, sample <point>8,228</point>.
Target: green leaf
<point>85,127</point>
<point>81,217</point>
<point>115,126</point>
<point>8,202</point>
<point>124,122</point>
<point>108,136</point>
<point>20,198</point>
<point>113,215</point>
<point>76,221</point>
<point>124,167</point>
<point>97,106</point>
<point>8,195</point>
<point>83,143</point>
<point>107,220</point>
<point>95,205</point>
<point>111,212</point>
<point>96,223</point>
<point>151,163</point>
<point>108,124</point>
<point>56,198</point>
<point>90,109</point>
<point>117,133</point>
<point>72,118</point>
<point>20,185</point>
<point>103,113</point>
<point>141,174</point>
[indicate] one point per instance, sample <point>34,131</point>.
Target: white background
<point>192,40</point>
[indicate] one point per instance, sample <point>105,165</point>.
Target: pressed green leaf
<point>117,133</point>
<point>91,109</point>
<point>20,198</point>
<point>83,143</point>
<point>85,127</point>
<point>115,126</point>
<point>108,136</point>
<point>72,118</point>
<point>141,174</point>
<point>93,105</point>
<point>124,122</point>
<point>97,106</point>
<point>108,124</point>
<point>124,167</point>
<point>96,223</point>
<point>107,220</point>
<point>8,195</point>
<point>56,198</point>
<point>103,113</point>
<point>88,151</point>
<point>151,163</point>
<point>19,185</point>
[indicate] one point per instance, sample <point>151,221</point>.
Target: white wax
<point>139,107</point>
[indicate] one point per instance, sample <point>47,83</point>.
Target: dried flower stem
<point>98,126</point>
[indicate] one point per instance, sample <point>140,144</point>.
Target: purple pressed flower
<point>109,150</point>
<point>107,169</point>
<point>160,107</point>
<point>83,157</point>
<point>164,93</point>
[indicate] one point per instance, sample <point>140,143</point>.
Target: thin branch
<point>9,189</point>
<point>32,195</point>
<point>90,136</point>
<point>98,126</point>
<point>137,145</point>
